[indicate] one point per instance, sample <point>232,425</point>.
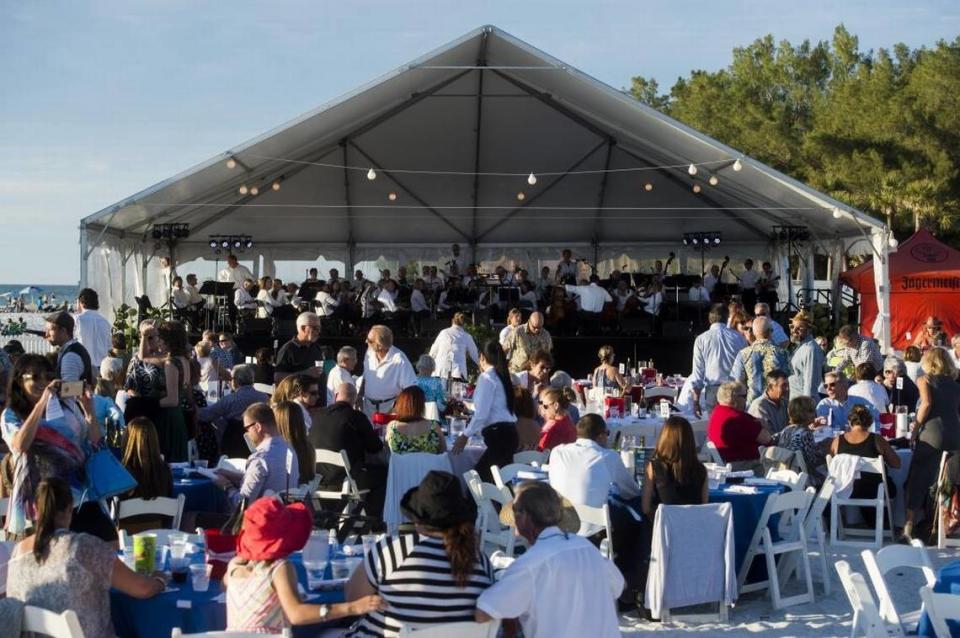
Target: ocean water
<point>62,292</point>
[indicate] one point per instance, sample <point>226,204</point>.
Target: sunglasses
<point>313,393</point>
<point>247,426</point>
<point>544,405</point>
<point>829,385</point>
<point>39,378</point>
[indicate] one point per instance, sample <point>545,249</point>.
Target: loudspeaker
<point>677,328</point>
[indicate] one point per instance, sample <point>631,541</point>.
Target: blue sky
<point>102,99</point>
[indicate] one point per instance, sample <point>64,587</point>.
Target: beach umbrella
<point>29,290</point>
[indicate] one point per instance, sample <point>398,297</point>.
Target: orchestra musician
<point>767,285</point>
<point>243,299</point>
<point>567,268</point>
<point>698,293</point>
<point>748,284</point>
<point>711,279</point>
<point>235,272</point>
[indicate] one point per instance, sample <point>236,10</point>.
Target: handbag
<point>106,477</point>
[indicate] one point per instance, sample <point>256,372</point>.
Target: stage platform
<point>575,355</point>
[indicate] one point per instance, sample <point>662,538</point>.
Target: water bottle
<point>332,545</point>
<point>639,461</point>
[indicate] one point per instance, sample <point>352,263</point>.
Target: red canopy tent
<point>924,281</point>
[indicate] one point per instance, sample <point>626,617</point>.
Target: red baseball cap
<point>273,530</point>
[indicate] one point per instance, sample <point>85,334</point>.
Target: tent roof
<point>484,103</point>
<point>922,253</point>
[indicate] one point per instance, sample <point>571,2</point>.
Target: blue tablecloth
<point>201,495</point>
<point>747,509</point>
<point>193,611</point>
<point>948,582</point>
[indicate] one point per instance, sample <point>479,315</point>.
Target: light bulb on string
<point>371,174</point>
<point>521,196</point>
<point>648,187</point>
<point>243,189</point>
<point>696,188</point>
<point>714,180</point>
<point>231,163</point>
<point>893,243</point>
<point>692,169</point>
<point>254,190</point>
<point>276,185</point>
<point>836,213</point>
<point>532,179</point>
<point>392,197</point>
<point>737,166</point>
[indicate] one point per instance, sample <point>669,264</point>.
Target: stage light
<point>686,240</point>
<point>692,169</point>
<point>371,174</point>
<point>392,197</point>
<point>213,243</point>
<point>224,243</point>
<point>737,166</point>
<point>648,187</point>
<point>695,241</point>
<point>231,163</point>
<point>714,180</point>
<point>696,188</point>
<point>249,243</point>
<point>532,179</point>
<point>243,189</point>
<point>716,239</point>
<point>156,233</point>
<point>276,185</point>
<point>237,243</point>
<point>254,191</point>
<point>521,196</point>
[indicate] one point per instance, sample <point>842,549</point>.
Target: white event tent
<point>452,137</point>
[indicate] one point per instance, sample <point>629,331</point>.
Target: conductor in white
<point>452,347</point>
<point>234,272</point>
<point>386,371</point>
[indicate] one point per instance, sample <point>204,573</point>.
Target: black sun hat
<point>438,502</point>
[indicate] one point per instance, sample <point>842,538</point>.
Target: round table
<point>193,611</point>
<point>948,582</point>
<point>747,509</point>
<point>201,495</point>
<point>649,427</point>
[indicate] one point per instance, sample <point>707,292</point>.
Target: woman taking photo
<point>48,438</point>
<point>606,376</point>
<point>57,569</point>
<point>293,429</point>
<point>493,416</point>
<point>936,430</point>
<point>262,585</point>
<point>410,432</point>
<point>416,573</point>
<point>557,428</point>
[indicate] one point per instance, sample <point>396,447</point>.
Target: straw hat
<point>569,520</point>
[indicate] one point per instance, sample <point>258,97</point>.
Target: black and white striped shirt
<point>412,574</point>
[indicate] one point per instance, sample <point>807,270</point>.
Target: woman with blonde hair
<point>293,429</point>
<point>606,376</point>
<point>557,428</point>
<point>936,430</point>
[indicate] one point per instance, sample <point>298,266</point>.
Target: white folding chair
<point>940,608</point>
<point>178,633</point>
<point>942,539</point>
<point>839,533</point>
<point>813,528</point>
<point>431,412</point>
<point>792,544</point>
<point>47,623</point>
<point>866,619</point>
<point>160,506</point>
<point>781,458</point>
<point>503,476</point>
<point>404,472</point>
<point>350,494</point>
<point>453,630</point>
<point>898,557</point>
<point>793,480</point>
<point>594,519</point>
<point>710,454</point>
<point>532,456</point>
<point>235,464</point>
<point>492,531</point>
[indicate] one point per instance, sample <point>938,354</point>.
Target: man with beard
<point>807,360</point>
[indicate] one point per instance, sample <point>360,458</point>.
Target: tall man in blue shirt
<point>714,352</point>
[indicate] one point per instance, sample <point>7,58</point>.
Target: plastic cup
<point>200,576</point>
<point>316,573</point>
<point>145,552</point>
<point>200,463</point>
<point>130,559</point>
<point>340,568</point>
<point>369,542</point>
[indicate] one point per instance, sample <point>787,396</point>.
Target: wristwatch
<point>324,611</point>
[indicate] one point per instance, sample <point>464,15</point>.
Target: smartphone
<point>71,389</point>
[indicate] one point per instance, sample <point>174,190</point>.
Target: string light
<point>254,191</point>
<point>696,188</point>
<point>392,197</point>
<point>893,243</point>
<point>532,179</point>
<point>714,180</point>
<point>371,174</point>
<point>231,163</point>
<point>648,187</point>
<point>243,189</point>
<point>521,196</point>
<point>276,185</point>
<point>737,166</point>
<point>692,169</point>
<point>837,214</point>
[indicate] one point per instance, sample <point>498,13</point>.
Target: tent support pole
<point>545,190</point>
<point>481,62</point>
<point>84,255</point>
<point>416,197</point>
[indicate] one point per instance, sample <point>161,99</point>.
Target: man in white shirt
<point>748,284</point>
<point>698,293</point>
<point>242,298</point>
<point>562,585</point>
<point>93,330</point>
<point>342,372</point>
<point>712,278</point>
<point>387,296</point>
<point>566,269</point>
<point>194,293</point>
<point>653,300</point>
<point>455,264</point>
<point>179,297</point>
<point>326,304</point>
<point>590,297</point>
<point>451,348</point>
<point>235,272</point>
<point>386,371</point>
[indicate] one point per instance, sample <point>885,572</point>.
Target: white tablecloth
<point>649,428</point>
<point>899,478</point>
